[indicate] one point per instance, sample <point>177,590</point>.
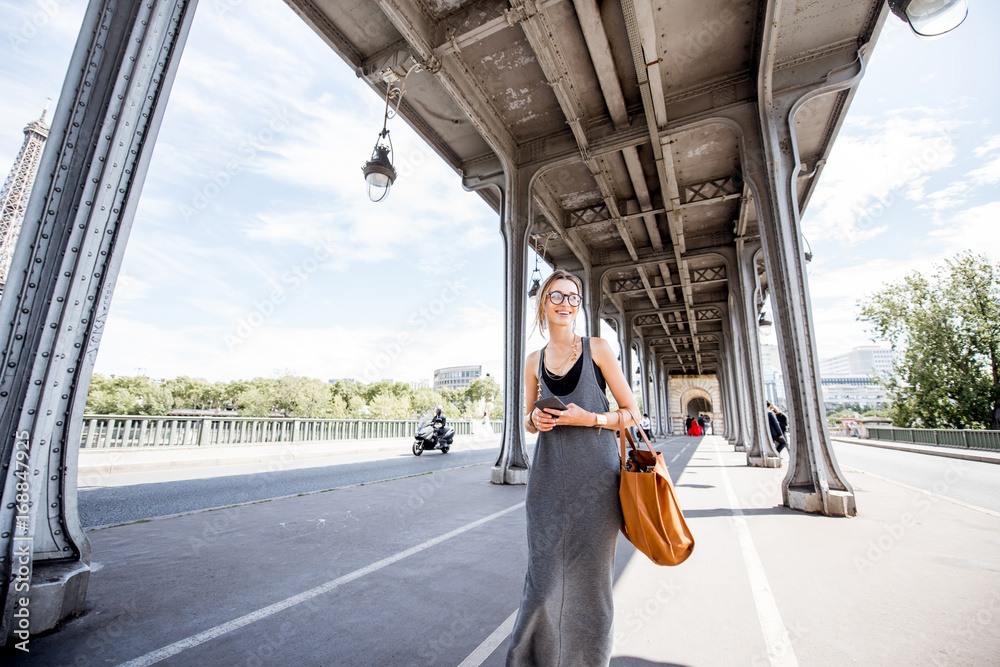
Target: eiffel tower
<point>17,189</point>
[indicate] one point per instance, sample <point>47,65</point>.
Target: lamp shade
<point>379,174</point>
<point>931,18</point>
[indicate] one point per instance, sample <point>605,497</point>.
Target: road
<point>968,481</point>
<point>110,505</point>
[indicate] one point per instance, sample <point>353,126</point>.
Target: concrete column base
<point>58,591</point>
<point>764,461</point>
<point>739,448</point>
<point>499,475</point>
<point>838,503</point>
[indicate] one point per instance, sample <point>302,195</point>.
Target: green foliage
<point>289,395</point>
<point>947,326</point>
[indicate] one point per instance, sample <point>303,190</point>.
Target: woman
<point>572,502</point>
<point>695,428</point>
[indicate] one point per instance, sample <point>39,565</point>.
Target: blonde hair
<point>558,274</point>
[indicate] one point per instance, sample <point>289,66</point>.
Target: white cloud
<point>871,170</point>
<point>976,228</point>
<point>989,145</point>
<point>988,174</point>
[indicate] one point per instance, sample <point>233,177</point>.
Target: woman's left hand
<point>573,415</point>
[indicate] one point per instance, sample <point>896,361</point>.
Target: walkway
<point>428,570</point>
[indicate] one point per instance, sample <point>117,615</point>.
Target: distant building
<point>866,360</point>
<point>456,377</point>
<point>840,392</point>
<point>420,384</point>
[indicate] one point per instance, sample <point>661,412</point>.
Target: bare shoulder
<point>532,361</point>
<point>601,351</point>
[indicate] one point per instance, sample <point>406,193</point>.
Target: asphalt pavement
<point>113,504</point>
<point>428,570</point>
<point>968,481</point>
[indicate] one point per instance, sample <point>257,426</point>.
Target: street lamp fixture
<point>379,171</point>
<point>763,322</point>
<point>931,18</point>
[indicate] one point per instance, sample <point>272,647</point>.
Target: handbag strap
<point>623,434</point>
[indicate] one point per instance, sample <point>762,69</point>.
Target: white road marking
<point>779,646</point>
<point>486,649</point>
<point>219,630</point>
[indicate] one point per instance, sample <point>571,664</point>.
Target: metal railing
<point>132,431</point>
<point>962,439</point>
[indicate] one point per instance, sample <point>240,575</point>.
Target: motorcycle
<point>428,438</point>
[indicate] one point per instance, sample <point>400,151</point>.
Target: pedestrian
<point>694,428</point>
<point>687,424</point>
<point>573,512</point>
<point>646,426</point>
<point>774,426</point>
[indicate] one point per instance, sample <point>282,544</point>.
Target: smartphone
<point>551,402</point>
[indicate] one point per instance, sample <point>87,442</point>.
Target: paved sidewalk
<point>428,570</point>
<point>983,456</point>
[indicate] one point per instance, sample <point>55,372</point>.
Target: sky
<point>255,250</point>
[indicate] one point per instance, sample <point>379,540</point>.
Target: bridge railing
<point>959,438</point>
<point>132,431</point>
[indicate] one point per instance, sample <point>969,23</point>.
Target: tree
<point>947,327</point>
<point>485,391</point>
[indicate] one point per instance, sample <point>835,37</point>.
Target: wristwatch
<point>602,419</point>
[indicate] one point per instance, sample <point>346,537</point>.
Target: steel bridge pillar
<point>61,280</point>
<point>814,482</point>
<point>760,450</point>
<point>511,466</point>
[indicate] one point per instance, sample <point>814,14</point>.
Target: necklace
<point>572,357</point>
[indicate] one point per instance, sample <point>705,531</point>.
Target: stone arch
<point>685,389</point>
<point>695,397</point>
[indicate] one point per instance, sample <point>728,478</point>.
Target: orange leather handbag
<point>651,517</point>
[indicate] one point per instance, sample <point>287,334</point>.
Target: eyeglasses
<point>558,297</point>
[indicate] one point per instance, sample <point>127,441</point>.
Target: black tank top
<point>568,383</point>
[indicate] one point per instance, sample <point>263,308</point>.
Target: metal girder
<point>63,275</point>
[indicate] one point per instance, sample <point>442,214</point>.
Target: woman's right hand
<point>543,420</point>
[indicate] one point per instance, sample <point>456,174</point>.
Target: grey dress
<point>573,512</point>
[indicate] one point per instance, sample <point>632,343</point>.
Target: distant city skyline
<point>255,249</point>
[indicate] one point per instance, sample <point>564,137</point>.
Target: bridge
<point>661,151</point>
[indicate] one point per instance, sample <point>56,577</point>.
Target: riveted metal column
<point>593,301</point>
<point>511,466</point>
<point>627,337</point>
<point>725,387</point>
<point>61,280</point>
<point>657,395</point>
<point>760,449</point>
<point>643,354</point>
<point>814,482</point>
<point>666,427</point>
<point>747,423</point>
